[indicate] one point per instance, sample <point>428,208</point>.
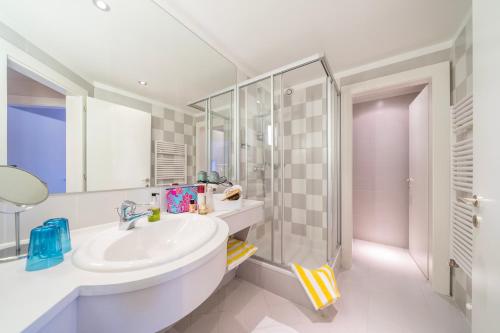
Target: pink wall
<point>380,169</point>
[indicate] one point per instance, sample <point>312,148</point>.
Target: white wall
<point>82,210</point>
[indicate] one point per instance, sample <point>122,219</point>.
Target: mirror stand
<point>18,232</point>
<point>18,251</point>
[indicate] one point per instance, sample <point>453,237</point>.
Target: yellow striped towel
<point>319,284</point>
<point>238,251</point>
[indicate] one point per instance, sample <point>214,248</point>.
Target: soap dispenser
<point>155,207</point>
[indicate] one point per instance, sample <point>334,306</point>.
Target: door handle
<point>475,221</point>
<point>409,180</point>
<point>474,201</point>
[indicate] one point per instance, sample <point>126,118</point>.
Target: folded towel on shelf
<point>238,251</point>
<point>319,284</point>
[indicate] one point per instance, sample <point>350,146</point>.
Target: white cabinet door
<point>486,260</point>
<point>419,181</point>
<point>118,146</point>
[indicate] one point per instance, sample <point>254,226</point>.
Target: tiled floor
<point>383,292</point>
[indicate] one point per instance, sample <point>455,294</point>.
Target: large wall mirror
<point>99,97</point>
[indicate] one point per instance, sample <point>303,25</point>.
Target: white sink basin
<point>147,245</point>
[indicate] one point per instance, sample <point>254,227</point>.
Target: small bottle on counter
<point>192,206</point>
<point>202,200</point>
<point>210,198</point>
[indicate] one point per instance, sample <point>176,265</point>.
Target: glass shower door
<point>256,158</point>
<point>288,158</point>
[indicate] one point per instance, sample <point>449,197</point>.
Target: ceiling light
<point>142,83</point>
<point>258,102</point>
<point>101,5</point>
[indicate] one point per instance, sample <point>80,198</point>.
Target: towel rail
<point>462,177</point>
<point>170,162</point>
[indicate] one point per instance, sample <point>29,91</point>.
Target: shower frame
<point>333,146</point>
<point>332,208</point>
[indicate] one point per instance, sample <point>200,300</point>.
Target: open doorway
<point>36,129</point>
<point>390,170</point>
<point>437,79</point>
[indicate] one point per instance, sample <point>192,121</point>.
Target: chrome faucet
<point>128,216</point>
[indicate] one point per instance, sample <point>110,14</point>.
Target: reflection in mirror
<point>201,136</point>
<point>221,134</point>
<point>152,64</point>
<point>37,125</point>
<point>118,146</point>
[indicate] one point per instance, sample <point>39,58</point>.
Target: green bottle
<point>155,207</point>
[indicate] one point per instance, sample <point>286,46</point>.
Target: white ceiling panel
<point>264,34</point>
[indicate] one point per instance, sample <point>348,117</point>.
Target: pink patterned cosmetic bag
<point>179,197</point>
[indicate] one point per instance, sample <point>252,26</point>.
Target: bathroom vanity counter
<point>59,297</point>
<point>251,212</point>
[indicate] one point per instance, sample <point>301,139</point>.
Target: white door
<point>74,144</point>
<point>419,181</point>
<point>118,146</point>
<point>486,259</point>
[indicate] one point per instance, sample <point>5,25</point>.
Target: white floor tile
<point>384,292</point>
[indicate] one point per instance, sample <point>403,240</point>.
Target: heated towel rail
<point>170,162</point>
<point>462,164</point>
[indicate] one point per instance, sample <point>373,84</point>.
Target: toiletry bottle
<point>155,207</point>
<point>192,206</point>
<point>202,200</point>
<point>210,198</point>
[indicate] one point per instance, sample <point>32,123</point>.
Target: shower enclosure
<point>288,124</point>
<point>278,136</point>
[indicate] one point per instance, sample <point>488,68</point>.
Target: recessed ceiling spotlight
<point>258,102</point>
<point>142,83</point>
<point>102,5</point>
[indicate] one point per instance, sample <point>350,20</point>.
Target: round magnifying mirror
<point>20,190</point>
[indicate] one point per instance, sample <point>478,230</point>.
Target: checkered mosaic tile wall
<point>305,163</point>
<point>178,127</point>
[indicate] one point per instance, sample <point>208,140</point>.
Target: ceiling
<point>260,35</point>
<point>135,40</point>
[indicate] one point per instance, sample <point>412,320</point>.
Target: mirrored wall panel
<point>91,92</point>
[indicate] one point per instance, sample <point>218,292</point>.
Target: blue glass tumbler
<point>45,249</point>
<point>63,224</point>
